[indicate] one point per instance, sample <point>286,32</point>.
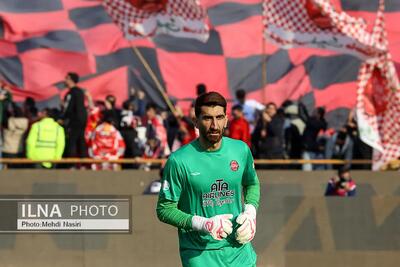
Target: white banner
<point>78,224</point>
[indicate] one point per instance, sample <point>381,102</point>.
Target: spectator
<point>30,110</point>
<point>171,124</point>
<point>271,109</point>
<point>339,146</point>
<point>186,130</point>
<point>341,184</point>
<point>138,99</point>
<point>95,113</point>
<point>115,113</point>
<point>155,128</point>
<point>250,108</point>
<point>259,136</point>
<point>128,125</point>
<point>360,149</point>
<point>201,89</point>
<point>75,117</point>
<point>46,139</point>
<point>14,134</point>
<point>275,136</point>
<point>294,129</point>
<point>239,128</point>
<point>106,144</point>
<point>5,100</point>
<point>268,134</point>
<point>313,148</point>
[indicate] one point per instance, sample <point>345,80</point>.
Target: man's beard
<point>212,136</point>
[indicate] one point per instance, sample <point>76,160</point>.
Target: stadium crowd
<point>84,127</point>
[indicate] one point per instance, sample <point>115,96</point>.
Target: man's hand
<point>219,226</point>
<point>247,219</point>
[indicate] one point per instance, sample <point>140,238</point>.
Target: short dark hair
<point>108,116</point>
<point>74,76</point>
<point>209,99</point>
<point>51,113</point>
<point>321,111</point>
<point>151,105</point>
<point>112,99</point>
<point>343,169</point>
<point>201,88</point>
<point>237,107</point>
<point>127,104</point>
<point>16,110</point>
<point>240,94</point>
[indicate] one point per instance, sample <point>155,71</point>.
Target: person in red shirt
<point>239,128</point>
<point>95,112</point>
<point>107,144</point>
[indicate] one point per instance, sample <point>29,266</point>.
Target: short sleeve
<point>171,182</point>
<point>249,175</point>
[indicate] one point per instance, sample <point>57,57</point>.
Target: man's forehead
<point>212,111</point>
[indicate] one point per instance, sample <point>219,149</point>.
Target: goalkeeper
<point>202,189</point>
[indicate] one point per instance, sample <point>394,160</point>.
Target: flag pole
<point>154,78</point>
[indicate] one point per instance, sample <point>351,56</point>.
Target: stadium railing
<point>24,161</point>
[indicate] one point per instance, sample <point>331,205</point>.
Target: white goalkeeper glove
<point>219,226</point>
<point>247,219</point>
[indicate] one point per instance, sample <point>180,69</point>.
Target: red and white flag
<point>378,102</point>
<point>317,23</point>
<point>146,18</point>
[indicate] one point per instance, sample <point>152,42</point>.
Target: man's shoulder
<point>47,122</point>
<point>184,152</point>
<point>235,144</point>
<point>76,90</point>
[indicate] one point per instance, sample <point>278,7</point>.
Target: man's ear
<point>226,121</point>
<point>195,121</point>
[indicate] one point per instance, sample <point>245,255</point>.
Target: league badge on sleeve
<point>165,185</point>
<point>234,165</point>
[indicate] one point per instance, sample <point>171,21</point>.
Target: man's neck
<point>206,145</point>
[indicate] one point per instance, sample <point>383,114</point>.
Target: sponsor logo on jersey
<point>219,194</point>
<point>234,165</point>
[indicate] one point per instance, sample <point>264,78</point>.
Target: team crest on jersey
<point>234,165</point>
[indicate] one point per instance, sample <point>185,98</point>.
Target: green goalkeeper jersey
<point>208,183</point>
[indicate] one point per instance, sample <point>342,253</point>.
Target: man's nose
<point>214,123</point>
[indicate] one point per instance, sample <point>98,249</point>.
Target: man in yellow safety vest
<point>46,139</point>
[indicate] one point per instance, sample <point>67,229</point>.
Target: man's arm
<point>252,195</point>
<point>251,190</point>
<point>250,183</point>
<point>67,109</point>
<point>168,212</point>
<point>218,226</point>
<point>60,142</point>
